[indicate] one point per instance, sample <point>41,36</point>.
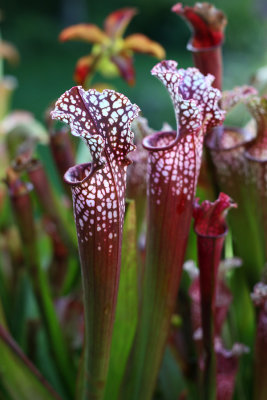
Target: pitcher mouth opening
<point>78,174</point>
<point>236,137</point>
<point>194,49</point>
<point>261,159</point>
<point>212,236</point>
<point>155,142</point>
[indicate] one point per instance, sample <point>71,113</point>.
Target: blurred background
<point>46,66</point>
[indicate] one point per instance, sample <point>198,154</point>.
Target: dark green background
<point>46,66</point>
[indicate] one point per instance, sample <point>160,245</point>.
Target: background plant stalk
<point>209,61</point>
<point>209,254</point>
<point>22,207</point>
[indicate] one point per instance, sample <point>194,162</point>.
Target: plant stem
<point>62,151</point>
<point>21,204</point>
<point>51,206</point>
<point>209,252</point>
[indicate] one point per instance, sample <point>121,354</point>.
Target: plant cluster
<point>171,301</point>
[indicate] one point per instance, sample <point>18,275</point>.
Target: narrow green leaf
<point>18,315</point>
<point>127,308</point>
<point>4,293</point>
<point>171,382</point>
<point>242,326</point>
<point>19,193</point>
<point>19,377</point>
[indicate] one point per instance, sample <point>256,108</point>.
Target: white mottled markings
<point>103,121</point>
<point>196,108</point>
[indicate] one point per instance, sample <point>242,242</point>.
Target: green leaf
<point>242,326</point>
<point>127,308</point>
<point>171,382</point>
<point>19,378</point>
<point>19,312</point>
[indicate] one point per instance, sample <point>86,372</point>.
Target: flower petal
<point>83,69</point>
<point>142,44</point>
<point>206,21</point>
<point>124,63</point>
<point>85,32</point>
<point>116,22</point>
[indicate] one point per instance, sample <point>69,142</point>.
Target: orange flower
<point>111,54</point>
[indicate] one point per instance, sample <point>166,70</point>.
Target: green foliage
<point>38,360</point>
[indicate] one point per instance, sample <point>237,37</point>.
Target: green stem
<point>18,375</point>
<point>21,203</point>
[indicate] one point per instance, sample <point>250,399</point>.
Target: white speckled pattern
<point>103,121</point>
<point>196,108</point>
